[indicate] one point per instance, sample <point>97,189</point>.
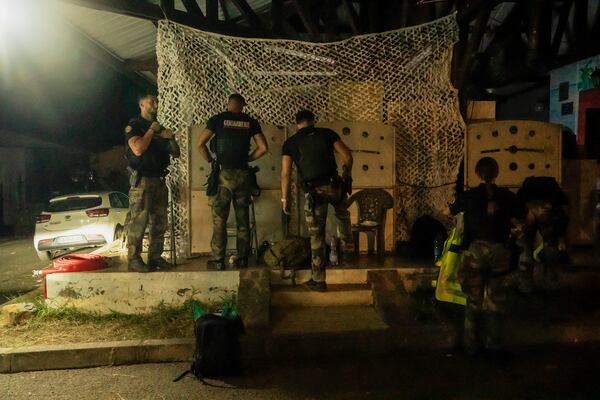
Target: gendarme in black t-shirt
<point>232,138</point>
<point>155,160</point>
<point>311,149</point>
<point>479,224</point>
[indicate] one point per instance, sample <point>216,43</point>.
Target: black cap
<point>237,97</point>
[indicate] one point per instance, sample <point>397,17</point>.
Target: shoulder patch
<point>128,129</point>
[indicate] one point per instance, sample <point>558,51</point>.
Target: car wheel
<point>44,255</point>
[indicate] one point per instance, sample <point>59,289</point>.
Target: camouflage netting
<point>400,77</point>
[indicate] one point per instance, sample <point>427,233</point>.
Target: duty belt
<point>313,183</point>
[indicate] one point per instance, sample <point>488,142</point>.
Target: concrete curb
<point>94,354</point>
<point>264,347</point>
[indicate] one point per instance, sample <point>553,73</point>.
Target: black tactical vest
<point>155,160</point>
<point>233,133</point>
<point>316,158</point>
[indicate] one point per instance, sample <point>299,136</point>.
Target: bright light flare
<point>26,21</point>
<point>15,15</point>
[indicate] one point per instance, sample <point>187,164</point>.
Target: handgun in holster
<point>346,182</point>
<point>212,183</point>
<point>134,177</point>
<point>254,188</point>
<point>310,200</point>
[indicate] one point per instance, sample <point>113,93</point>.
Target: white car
<point>81,220</point>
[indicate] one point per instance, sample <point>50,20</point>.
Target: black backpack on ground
<point>217,352</point>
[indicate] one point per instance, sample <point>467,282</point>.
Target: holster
<point>310,199</point>
<point>347,184</point>
<point>212,183</point>
<point>254,188</point>
<point>134,177</point>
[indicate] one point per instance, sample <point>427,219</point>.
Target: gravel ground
<point>544,373</point>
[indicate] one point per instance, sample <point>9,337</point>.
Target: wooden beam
<point>309,24</point>
<point>249,14</point>
<point>152,12</point>
<point>538,35</point>
<point>212,10</point>
<point>563,20</point>
<point>193,8</point>
<point>352,17</point>
<point>167,7</point>
<point>473,44</point>
<point>472,8</point>
<point>226,15</point>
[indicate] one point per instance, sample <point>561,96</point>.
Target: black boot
<point>316,286</point>
<point>137,265</point>
<point>160,264</point>
<point>216,264</point>
<point>241,262</point>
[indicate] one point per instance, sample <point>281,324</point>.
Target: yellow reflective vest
<point>447,286</point>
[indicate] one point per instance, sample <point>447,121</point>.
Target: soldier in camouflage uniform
<point>149,147</point>
<point>232,131</point>
<point>488,212</point>
<point>312,150</point>
<point>547,215</point>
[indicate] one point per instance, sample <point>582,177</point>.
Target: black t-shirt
<point>311,148</point>
<point>155,160</point>
<point>232,138</point>
<point>479,225</point>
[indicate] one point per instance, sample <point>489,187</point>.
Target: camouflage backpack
<point>290,253</point>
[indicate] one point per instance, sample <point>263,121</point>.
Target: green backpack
<point>290,253</point>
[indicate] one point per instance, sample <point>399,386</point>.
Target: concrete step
<point>336,295</point>
<point>312,320</point>
<point>338,276</point>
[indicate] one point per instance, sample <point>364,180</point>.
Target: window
<point>115,201</point>
<point>563,91</point>
<point>124,200</point>
<point>74,204</point>
<point>566,108</point>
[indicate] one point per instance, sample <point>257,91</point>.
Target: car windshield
<point>74,203</point>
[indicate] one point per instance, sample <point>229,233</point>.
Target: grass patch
<point>68,325</point>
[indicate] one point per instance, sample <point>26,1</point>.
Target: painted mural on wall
<point>565,85</point>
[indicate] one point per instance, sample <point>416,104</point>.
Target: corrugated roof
<point>126,37</point>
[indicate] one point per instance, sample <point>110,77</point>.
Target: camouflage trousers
<point>483,271</point>
<point>148,203</point>
<point>551,225</point>
<point>234,187</point>
<point>315,213</point>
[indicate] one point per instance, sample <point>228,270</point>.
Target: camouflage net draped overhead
<point>399,77</point>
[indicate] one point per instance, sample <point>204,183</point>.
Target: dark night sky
<point>51,89</point>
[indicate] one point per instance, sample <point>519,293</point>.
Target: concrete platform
<point>130,292</point>
<point>117,289</point>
